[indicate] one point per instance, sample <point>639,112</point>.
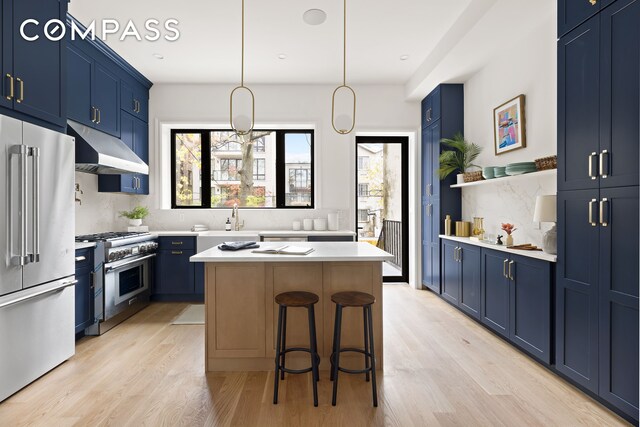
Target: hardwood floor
<point>441,368</point>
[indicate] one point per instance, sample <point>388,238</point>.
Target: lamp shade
<point>545,209</point>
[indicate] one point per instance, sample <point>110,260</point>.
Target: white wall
<point>381,109</point>
<point>529,69</point>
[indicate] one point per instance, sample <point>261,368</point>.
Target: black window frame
<point>206,172</point>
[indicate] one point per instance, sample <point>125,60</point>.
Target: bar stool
<point>354,299</point>
<point>296,299</point>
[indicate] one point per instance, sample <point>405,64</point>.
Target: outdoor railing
<point>391,240</point>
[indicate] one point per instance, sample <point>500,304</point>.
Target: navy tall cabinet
<point>442,117</point>
<point>598,221</point>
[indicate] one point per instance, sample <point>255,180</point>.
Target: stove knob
<point>143,249</point>
<point>112,256</point>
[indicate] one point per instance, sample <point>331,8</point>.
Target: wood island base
<point>242,317</point>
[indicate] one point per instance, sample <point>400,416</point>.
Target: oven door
<point>125,283</point>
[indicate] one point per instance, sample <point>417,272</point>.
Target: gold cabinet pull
<point>592,205</point>
<point>592,157</point>
<point>593,2</point>
<point>176,252</point>
<point>604,207</point>
<point>21,83</point>
<point>511,263</point>
<point>11,90</point>
<point>176,243</point>
<point>604,164</point>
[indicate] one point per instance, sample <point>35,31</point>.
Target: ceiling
<point>208,51</point>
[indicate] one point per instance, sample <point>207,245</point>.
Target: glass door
<point>382,214</point>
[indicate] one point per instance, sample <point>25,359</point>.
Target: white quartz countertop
<point>84,245</point>
<point>264,233</point>
<point>323,252</point>
<point>531,254</point>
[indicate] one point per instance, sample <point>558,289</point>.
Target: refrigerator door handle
<point>22,258</point>
<point>58,288</point>
<point>35,153</point>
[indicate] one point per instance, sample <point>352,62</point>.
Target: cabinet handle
<point>593,157</point>
<point>429,115</point>
<point>510,274</point>
<point>504,268</point>
<point>80,258</point>
<point>176,243</point>
<point>459,254</point>
<point>604,211</point>
<point>429,190</point>
<point>176,252</point>
<point>604,164</point>
<point>593,2</point>
<point>11,90</point>
<point>592,205</point>
<point>99,116</point>
<point>93,114</point>
<point>455,254</point>
<point>21,83</point>
<point>135,108</point>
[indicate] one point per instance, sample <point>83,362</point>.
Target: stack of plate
<point>520,168</point>
<point>499,172</point>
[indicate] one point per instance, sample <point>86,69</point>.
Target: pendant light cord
<point>344,46</point>
<point>242,50</point>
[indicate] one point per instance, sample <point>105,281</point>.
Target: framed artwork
<point>509,125</point>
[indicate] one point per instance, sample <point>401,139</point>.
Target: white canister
<point>308,224</point>
<point>320,224</point>
<point>297,226</point>
<point>334,223</point>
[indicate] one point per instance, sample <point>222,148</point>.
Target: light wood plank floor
<point>441,369</point>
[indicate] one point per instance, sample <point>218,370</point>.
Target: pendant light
<point>242,122</point>
<point>343,124</point>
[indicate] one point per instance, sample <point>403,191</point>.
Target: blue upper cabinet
<point>572,13</point>
<point>579,107</point>
<point>598,102</point>
<point>135,100</point>
<point>79,84</point>
<point>33,72</point>
<point>105,95</point>
<point>619,94</point>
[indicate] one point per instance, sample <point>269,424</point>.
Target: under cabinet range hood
<point>101,153</point>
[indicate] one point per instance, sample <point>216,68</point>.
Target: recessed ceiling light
<point>314,16</point>
<point>158,56</point>
<point>282,56</point>
<point>404,57</point>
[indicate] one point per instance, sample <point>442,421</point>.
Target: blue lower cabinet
<point>461,276</point>
<point>618,299</point>
<point>517,300</point>
<point>178,279</point>
<point>530,305</point>
<point>84,289</point>
<point>495,291</point>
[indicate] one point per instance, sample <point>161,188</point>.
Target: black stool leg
<point>333,349</point>
<point>373,358</point>
<point>278,349</point>
<point>314,352</point>
<point>366,342</point>
<point>284,341</point>
<point>336,346</point>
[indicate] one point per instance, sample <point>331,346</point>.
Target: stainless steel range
<point>123,268</point>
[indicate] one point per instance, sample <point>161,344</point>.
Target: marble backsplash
<point>510,201</point>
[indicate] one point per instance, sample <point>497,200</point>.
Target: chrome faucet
<point>235,214</point>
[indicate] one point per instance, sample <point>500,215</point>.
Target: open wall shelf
<point>549,172</point>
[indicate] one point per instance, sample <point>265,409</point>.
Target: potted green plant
<point>136,215</point>
<point>459,157</point>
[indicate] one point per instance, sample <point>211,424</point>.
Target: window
<point>363,163</point>
<point>258,169</point>
<point>363,215</point>
<point>363,190</point>
<point>275,172</point>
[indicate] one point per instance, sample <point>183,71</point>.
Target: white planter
<point>135,222</point>
<point>460,178</point>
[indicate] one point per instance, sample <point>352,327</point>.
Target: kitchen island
<point>241,315</point>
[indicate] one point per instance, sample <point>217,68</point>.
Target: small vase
<point>460,178</point>
<point>135,222</point>
<point>509,240</point>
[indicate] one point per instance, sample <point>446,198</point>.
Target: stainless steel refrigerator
<point>37,252</point>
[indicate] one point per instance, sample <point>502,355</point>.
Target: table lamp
<point>545,211</point>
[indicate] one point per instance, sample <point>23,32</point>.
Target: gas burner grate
<point>108,236</point>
